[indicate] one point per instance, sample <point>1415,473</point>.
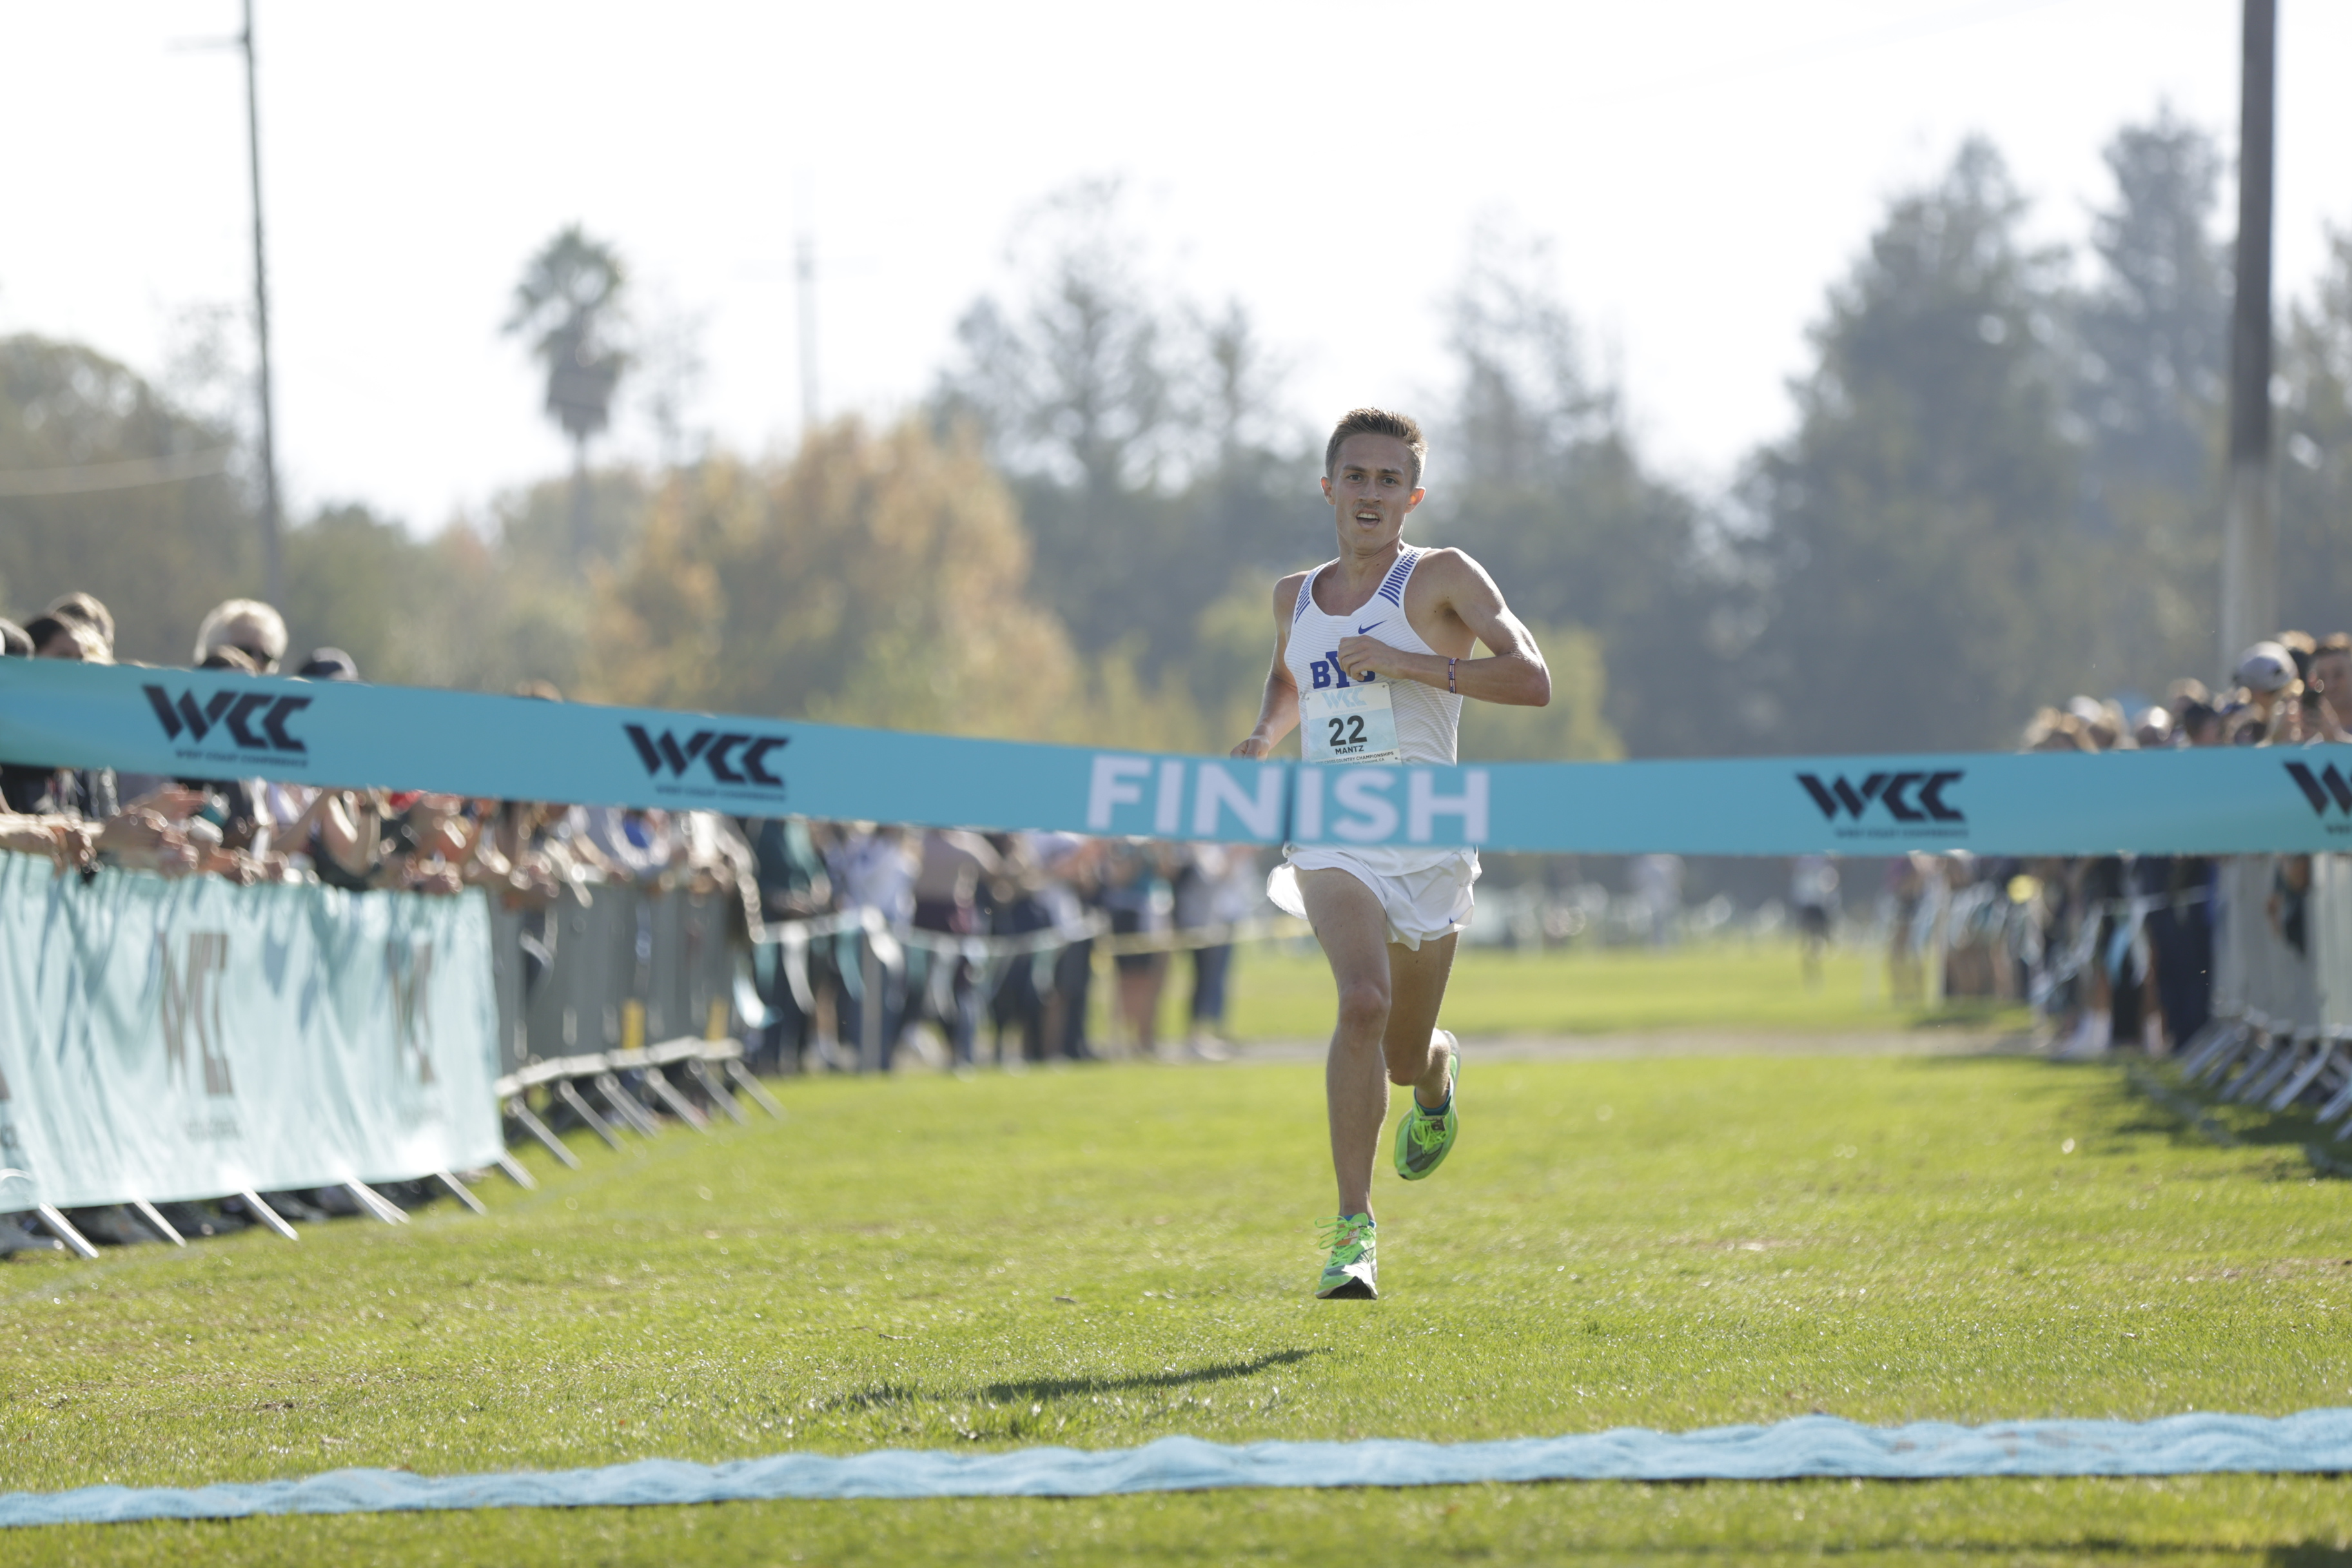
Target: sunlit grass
<point>1283,992</point>
<point>1671,1243</point>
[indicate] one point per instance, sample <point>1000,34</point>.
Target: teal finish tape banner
<point>189,1038</point>
<point>197,724</point>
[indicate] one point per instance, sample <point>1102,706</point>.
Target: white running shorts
<point>1425,892</point>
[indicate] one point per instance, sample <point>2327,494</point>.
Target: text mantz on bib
<point>1353,723</point>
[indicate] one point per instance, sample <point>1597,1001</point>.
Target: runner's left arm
<point>1515,674</point>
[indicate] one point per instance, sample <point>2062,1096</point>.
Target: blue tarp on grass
<point>2311,1440</point>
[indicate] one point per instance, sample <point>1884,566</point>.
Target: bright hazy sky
<point>1705,168</point>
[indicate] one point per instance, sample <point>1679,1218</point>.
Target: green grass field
<point>1104,1255</point>
<point>1283,991</point>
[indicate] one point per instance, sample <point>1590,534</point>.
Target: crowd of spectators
<point>2117,951</point>
<point>1048,895</point>
<point>1058,888</point>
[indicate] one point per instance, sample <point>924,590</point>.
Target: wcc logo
<point>192,1009</point>
<point>1907,804</point>
<point>714,761</point>
<point>408,972</point>
<point>2323,789</point>
<point>252,721</point>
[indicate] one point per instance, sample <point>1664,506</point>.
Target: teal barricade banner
<point>201,724</point>
<point>189,1038</point>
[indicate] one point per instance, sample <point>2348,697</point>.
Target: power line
<point>128,474</point>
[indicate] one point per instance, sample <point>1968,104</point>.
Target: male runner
<point>1371,658</point>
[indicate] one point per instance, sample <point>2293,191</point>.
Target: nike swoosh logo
<point>1361,630</point>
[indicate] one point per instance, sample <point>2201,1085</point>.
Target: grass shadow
<point>2310,1554</point>
<point>1066,1387</point>
<point>2154,1101</point>
<point>2200,1115</point>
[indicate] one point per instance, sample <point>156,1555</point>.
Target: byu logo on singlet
<point>1326,672</point>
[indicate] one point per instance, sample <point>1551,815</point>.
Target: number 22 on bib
<point>1350,724</point>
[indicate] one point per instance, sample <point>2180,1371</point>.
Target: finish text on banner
<point>171,1040</point>
<point>187,723</point>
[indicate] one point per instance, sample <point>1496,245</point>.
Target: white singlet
<point>1426,892</point>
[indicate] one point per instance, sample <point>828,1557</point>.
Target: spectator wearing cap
<point>329,664</point>
<point>2266,671</point>
<point>247,623</point>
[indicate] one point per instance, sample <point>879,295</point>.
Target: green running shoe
<point>1352,1275</point>
<point>1423,1140</point>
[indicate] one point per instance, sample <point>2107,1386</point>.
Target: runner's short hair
<point>1376,422</point>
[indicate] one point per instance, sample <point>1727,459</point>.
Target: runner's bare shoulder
<point>1446,569</point>
<point>1286,595</point>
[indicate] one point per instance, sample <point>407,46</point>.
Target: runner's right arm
<point>1277,710</point>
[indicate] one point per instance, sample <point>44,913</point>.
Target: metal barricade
<point>2281,987</point>
<point>611,966</point>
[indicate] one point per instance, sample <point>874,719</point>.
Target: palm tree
<point>569,303</point>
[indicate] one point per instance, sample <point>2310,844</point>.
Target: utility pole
<point>804,273</point>
<point>272,546</point>
<point>2250,531</point>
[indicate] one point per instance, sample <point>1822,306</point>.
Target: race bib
<point>1349,724</point>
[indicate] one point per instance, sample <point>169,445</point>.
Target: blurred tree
<point>360,583</point>
<point>159,553</point>
<point>1142,437</point>
<point>2154,327</point>
<point>449,611</point>
<point>2316,475</point>
<point>2152,338</point>
<point>877,579</point>
<point>535,525</point>
<point>569,305</point>
<point>1534,473</point>
<point>1925,579</point>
